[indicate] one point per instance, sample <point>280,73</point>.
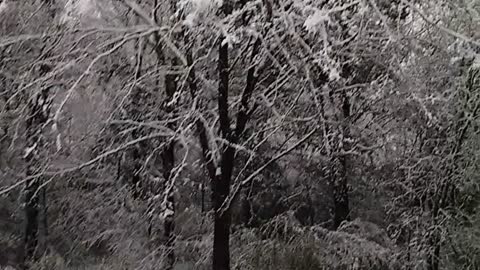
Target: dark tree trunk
<point>247,207</point>
<point>39,108</point>
<point>433,258</point>
<point>222,221</point>
<point>32,213</point>
<point>220,176</point>
<point>168,158</point>
<point>168,155</point>
<point>132,164</point>
<point>135,168</point>
<point>221,241</point>
<point>169,211</point>
<point>340,185</point>
<point>223,175</point>
<point>340,196</point>
<point>445,198</point>
<point>202,191</point>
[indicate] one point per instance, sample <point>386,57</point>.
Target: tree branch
<point>227,204</point>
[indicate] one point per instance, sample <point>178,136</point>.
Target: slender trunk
<point>136,167</point>
<point>203,196</point>
<point>39,108</point>
<point>168,167</point>
<point>340,187</point>
<point>132,164</point>
<point>168,155</point>
<point>445,197</point>
<point>433,259</point>
<point>340,196</point>
<point>32,213</point>
<point>44,218</point>
<point>36,228</point>
<point>247,207</point>
<point>169,211</point>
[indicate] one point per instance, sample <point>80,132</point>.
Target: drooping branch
<point>244,110</point>
<point>246,181</point>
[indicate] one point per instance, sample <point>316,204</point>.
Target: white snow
<point>319,17</point>
<point>3,6</point>
<point>197,9</point>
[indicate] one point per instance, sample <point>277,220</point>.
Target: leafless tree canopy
<point>240,134</point>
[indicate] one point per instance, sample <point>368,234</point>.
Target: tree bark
<point>39,112</point>
<point>169,211</point>
<point>133,157</point>
<point>340,196</point>
<point>220,175</point>
<point>168,155</point>
<point>340,186</point>
<point>168,158</point>
<point>223,175</point>
<point>32,212</point>
<point>445,198</point>
<point>222,222</point>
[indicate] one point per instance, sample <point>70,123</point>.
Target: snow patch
<point>3,6</point>
<point>76,9</point>
<point>318,18</point>
<point>196,9</point>
<point>476,62</point>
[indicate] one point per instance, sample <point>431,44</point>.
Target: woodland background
<point>246,134</point>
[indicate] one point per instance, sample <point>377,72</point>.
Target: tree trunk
<point>168,155</point>
<point>223,175</point>
<point>220,175</point>
<point>340,186</point>
<point>32,212</point>
<point>168,158</point>
<point>433,259</point>
<point>222,220</point>
<point>39,108</point>
<point>133,158</point>
<point>340,196</point>
<point>221,241</point>
<point>169,211</point>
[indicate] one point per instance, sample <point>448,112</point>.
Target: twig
<point>85,164</point>
<point>140,12</point>
<point>227,203</point>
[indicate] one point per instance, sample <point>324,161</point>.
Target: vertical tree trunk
<point>222,218</point>
<point>31,215</point>
<point>39,107</point>
<point>340,186</point>
<point>445,198</point>
<point>169,205</point>
<point>39,111</point>
<point>223,175</point>
<point>340,195</point>
<point>222,221</point>
<point>168,155</point>
<point>168,167</point>
<point>220,175</point>
<point>433,258</point>
<point>132,163</point>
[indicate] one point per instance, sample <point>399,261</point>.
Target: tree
<point>360,108</point>
<point>39,114</point>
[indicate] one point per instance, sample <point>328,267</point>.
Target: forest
<point>240,134</point>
